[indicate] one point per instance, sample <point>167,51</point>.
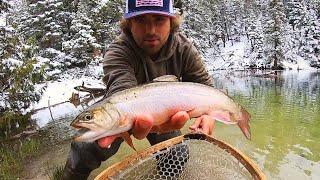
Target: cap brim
<point>133,14</point>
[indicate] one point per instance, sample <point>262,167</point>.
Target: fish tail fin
<point>127,138</point>
<point>243,123</point>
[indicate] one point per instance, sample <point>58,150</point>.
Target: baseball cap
<point>139,7</point>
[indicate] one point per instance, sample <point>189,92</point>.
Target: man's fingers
<point>179,119</point>
<point>106,141</point>
<point>140,130</point>
<point>206,125</point>
<point>142,126</point>
<point>205,122</point>
<point>196,124</point>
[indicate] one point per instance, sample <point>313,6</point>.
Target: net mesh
<point>189,159</point>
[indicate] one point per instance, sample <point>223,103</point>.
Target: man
<point>148,47</point>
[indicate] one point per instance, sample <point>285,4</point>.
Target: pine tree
<point>295,13</point>
<point>20,71</point>
<point>233,12</point>
<point>305,30</point>
<point>106,22</point>
<point>274,34</point>
<point>310,38</point>
<point>200,19</point>
<point>4,6</point>
<point>83,42</point>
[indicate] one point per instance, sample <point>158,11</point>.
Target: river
<point>285,125</point>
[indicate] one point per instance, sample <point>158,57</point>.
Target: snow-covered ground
<point>231,56</point>
<point>57,92</point>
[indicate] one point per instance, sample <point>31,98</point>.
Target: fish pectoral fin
<point>222,116</point>
<point>127,138</point>
<point>124,122</point>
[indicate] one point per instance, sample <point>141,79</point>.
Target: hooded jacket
<point>125,64</point>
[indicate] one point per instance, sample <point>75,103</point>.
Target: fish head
<point>92,123</point>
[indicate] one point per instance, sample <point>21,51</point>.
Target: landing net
<point>192,156</point>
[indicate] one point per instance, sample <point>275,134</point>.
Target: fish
<point>161,99</point>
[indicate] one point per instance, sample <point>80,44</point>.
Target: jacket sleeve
<point>118,70</point>
<point>195,70</point>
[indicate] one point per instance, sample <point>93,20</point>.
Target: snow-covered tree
<point>4,6</point>
<point>305,30</point>
<point>20,71</point>
<point>83,42</point>
<point>295,13</point>
<point>201,22</point>
<point>106,22</point>
<point>255,48</point>
<point>39,23</point>
<point>274,32</point>
<point>233,11</point>
<point>309,47</point>
<point>94,26</point>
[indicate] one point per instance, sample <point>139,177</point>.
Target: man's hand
<point>205,123</point>
<point>144,125</point>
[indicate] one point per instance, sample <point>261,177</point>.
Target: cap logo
<point>140,7</point>
<point>140,3</point>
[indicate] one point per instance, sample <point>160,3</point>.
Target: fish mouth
<point>80,132</point>
<point>87,135</point>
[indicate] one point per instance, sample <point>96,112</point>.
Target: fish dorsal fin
<point>225,91</point>
<point>166,78</point>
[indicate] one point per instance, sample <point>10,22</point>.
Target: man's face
<point>150,31</point>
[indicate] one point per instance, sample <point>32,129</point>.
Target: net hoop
<point>253,169</point>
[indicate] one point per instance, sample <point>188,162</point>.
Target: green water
<point>285,123</point>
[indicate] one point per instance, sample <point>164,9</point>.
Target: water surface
<point>285,124</point>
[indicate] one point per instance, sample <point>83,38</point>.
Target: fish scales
<point>161,98</point>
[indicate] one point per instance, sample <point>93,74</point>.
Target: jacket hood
<point>166,51</point>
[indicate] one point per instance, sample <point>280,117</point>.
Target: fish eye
<point>87,117</point>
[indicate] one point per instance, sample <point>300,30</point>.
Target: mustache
<point>151,37</point>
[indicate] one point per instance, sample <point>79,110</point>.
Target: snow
<point>230,57</point>
<point>12,62</point>
<point>103,2</point>
<point>57,94</point>
<point>41,61</point>
<point>2,20</point>
<point>301,64</point>
<point>43,117</point>
<point>233,57</point>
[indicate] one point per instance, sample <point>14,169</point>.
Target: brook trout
<point>161,99</point>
